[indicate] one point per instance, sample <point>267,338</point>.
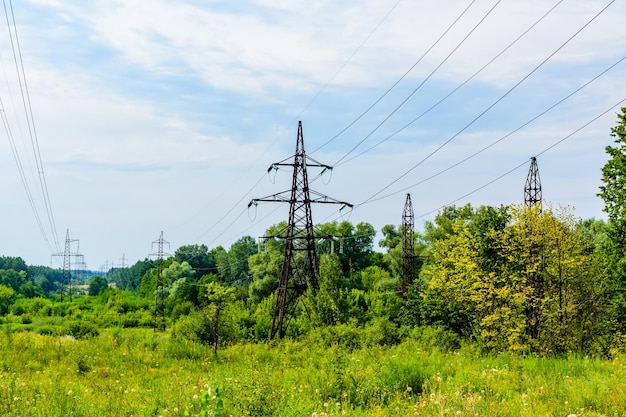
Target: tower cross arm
<point>284,197</point>
<point>324,199</point>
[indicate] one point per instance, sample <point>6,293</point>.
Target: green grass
<point>137,372</point>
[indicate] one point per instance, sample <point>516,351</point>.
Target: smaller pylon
<point>532,190</point>
<point>408,246</point>
<point>159,292</point>
<point>66,280</point>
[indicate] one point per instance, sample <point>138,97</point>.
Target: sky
<point>125,119</point>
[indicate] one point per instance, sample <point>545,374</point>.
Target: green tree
<point>265,268</point>
<point>97,285</point>
<point>7,296</point>
<point>328,306</point>
<point>12,278</point>
<point>219,296</point>
<point>198,257</point>
<point>15,263</point>
<point>179,279</point>
<point>613,192</point>
<point>238,256</point>
<point>530,286</point>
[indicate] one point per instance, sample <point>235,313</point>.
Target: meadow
<point>140,372</point>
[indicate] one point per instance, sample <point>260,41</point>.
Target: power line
<point>525,162</point>
<point>489,107</point>
<point>23,178</point>
<point>503,137</point>
<point>423,81</point>
<point>471,77</point>
<point>359,117</point>
<point>21,74</point>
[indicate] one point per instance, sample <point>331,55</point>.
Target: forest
<point>506,304</point>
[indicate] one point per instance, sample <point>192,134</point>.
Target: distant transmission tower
<point>67,254</point>
<point>532,190</point>
<point>534,280</point>
<point>408,245</point>
<point>159,292</point>
<point>300,267</point>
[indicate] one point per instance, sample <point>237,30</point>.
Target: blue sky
<point>164,116</point>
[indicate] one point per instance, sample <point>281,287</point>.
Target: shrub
<point>437,337</point>
<point>48,330</point>
<point>81,329</point>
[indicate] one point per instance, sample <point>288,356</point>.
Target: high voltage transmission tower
<point>532,190</point>
<point>159,292</point>
<point>300,266</point>
<point>535,281</point>
<point>67,254</point>
<point>408,245</point>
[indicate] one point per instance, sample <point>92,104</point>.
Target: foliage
<point>531,286</point>
<point>7,295</point>
<point>12,278</point>
<point>198,257</point>
<point>613,192</point>
<point>97,285</point>
<point>232,265</point>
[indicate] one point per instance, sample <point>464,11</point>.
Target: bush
<point>380,331</point>
<point>48,330</point>
<point>81,329</point>
<point>438,337</point>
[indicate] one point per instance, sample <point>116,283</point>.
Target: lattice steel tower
<point>532,190</point>
<point>408,245</point>
<point>66,280</point>
<point>300,266</point>
<point>159,291</point>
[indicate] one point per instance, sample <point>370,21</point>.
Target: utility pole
<point>159,296</point>
<point>300,266</point>
<point>532,190</point>
<point>408,246</point>
<point>67,254</point>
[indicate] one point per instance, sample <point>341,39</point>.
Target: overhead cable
<point>490,106</point>
<point>471,77</point>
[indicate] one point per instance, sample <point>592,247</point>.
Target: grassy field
<point>137,372</point>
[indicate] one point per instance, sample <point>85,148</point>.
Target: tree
<point>15,263</point>
<point>220,296</point>
<point>238,257</point>
<point>532,285</point>
<point>97,284</point>
<point>613,192</point>
<point>13,279</point>
<point>179,278</point>
<point>198,257</point>
<point>7,296</point>
<point>265,268</point>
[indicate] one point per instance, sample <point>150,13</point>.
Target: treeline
<point>506,278</point>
